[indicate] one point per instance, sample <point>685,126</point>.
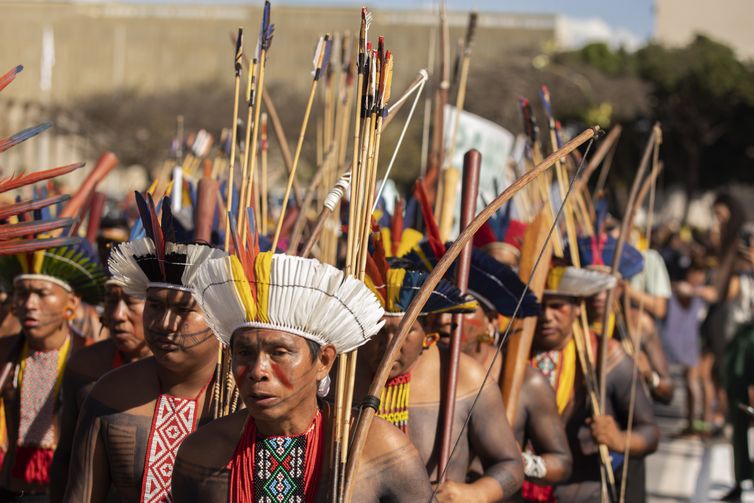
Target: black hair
<point>313,348</point>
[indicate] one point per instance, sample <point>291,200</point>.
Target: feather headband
<point>493,283</point>
<point>157,260</point>
<point>74,267</point>
<point>292,294</point>
<point>574,282</point>
<point>397,282</point>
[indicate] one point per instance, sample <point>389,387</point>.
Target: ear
<point>577,310</point>
<point>325,360</point>
<point>73,302</point>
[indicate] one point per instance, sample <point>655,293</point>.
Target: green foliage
<point>701,94</point>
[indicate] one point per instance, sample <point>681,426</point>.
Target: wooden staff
<point>265,40</point>
<point>96,209</point>
<point>206,203</point>
<point>263,147</point>
<point>320,62</point>
<point>234,133</point>
<point>441,99</point>
<point>472,163</point>
<point>462,83</point>
<point>248,147</point>
<point>518,350</point>
<point>105,164</point>
<point>394,347</point>
<point>625,228</point>
<point>648,186</point>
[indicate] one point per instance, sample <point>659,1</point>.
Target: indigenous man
<point>420,369</point>
<point>136,416</point>
<point>554,352</point>
<point>547,458</point>
<point>47,287</point>
<point>285,319</point>
<point>122,317</point>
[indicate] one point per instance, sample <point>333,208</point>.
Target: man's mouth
<point>163,343</point>
<point>30,322</point>
<point>262,399</point>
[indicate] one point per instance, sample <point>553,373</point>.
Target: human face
<point>595,306</point>
<point>375,349</point>
<point>722,213</point>
<point>555,323</point>
<point>123,318</point>
<point>42,307</point>
<point>175,330</point>
<point>275,372</point>
<point>476,326</point>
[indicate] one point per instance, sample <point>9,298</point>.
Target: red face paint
<point>281,375</point>
<point>242,370</point>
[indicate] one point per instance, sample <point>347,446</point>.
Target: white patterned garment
<point>173,421</point>
<point>35,427</point>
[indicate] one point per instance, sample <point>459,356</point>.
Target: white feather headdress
<point>573,282</point>
<point>137,265</point>
<point>292,294</point>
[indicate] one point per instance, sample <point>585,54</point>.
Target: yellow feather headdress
<point>292,294</point>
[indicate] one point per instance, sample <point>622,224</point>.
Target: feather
<point>9,76</point>
<point>396,226</point>
<point>432,231</point>
<point>158,238</point>
<point>16,181</point>
<point>30,205</point>
<point>145,216</point>
<point>168,227</point>
<point>22,136</point>
<point>266,29</point>
<point>33,228</point>
<point>127,268</point>
<point>31,245</point>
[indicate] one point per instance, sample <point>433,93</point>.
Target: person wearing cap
<point>412,397</point>
<point>136,416</point>
<point>47,287</point>
<point>122,317</point>
<point>286,319</point>
<point>554,352</point>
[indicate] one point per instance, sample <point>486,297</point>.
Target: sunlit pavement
<point>685,469</point>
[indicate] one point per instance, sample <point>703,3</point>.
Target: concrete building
<point>75,48</point>
<point>729,21</point>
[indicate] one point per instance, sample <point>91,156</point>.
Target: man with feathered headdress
<point>136,416</point>
<point>47,287</point>
<point>411,399</point>
<point>555,353</point>
<point>122,317</point>
<point>285,319</point>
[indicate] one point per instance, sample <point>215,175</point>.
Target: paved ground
<point>688,469</point>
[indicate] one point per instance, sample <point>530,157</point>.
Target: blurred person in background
<point>690,297</point>
<point>725,240</point>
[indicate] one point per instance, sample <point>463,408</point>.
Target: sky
<point>627,21</point>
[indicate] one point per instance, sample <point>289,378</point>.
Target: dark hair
<point>313,348</point>
<point>730,229</point>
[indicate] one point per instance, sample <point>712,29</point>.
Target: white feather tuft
<point>124,268</point>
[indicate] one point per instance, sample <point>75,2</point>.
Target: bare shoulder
<point>384,439</point>
<point>471,376</point>
<point>127,386</point>
<point>615,354</point>
<point>213,444</point>
<point>536,382</point>
<point>91,358</point>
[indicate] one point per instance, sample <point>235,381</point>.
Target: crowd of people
<point>187,348</point>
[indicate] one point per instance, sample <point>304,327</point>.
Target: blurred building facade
<point>74,48</point>
<point>729,21</point>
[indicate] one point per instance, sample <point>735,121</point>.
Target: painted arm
<point>492,440</point>
<point>607,429</point>
<point>89,470</point>
<point>545,429</point>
